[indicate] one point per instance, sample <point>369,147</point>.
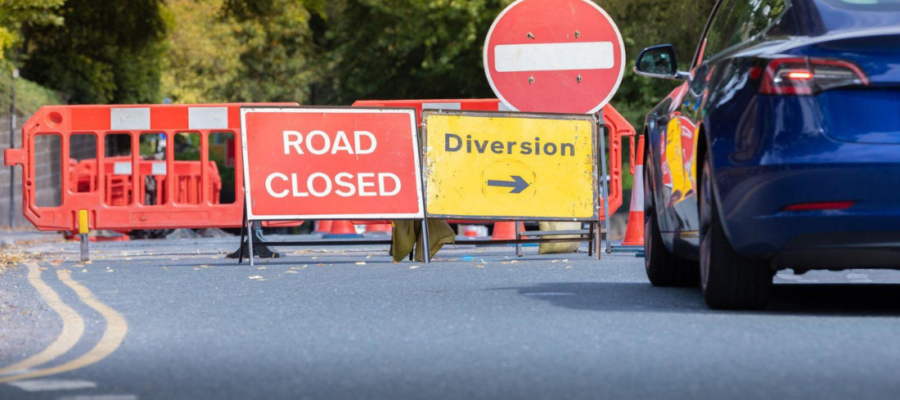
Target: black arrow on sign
<point>518,184</point>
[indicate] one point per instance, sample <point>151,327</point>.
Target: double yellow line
<point>72,331</point>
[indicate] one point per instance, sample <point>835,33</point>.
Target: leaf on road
<point>290,272</point>
<point>414,267</point>
<point>256,277</point>
<point>261,268</point>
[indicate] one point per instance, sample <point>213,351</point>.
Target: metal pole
<point>426,248</point>
<point>604,184</point>
<point>12,145</point>
<point>243,232</point>
<point>518,237</point>
<point>250,241</point>
<point>85,250</point>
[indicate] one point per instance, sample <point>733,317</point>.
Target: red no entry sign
<point>564,56</point>
<point>322,163</point>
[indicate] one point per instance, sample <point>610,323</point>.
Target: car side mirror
<point>659,62</point>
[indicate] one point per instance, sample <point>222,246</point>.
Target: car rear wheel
<point>729,280</point>
<point>663,267</point>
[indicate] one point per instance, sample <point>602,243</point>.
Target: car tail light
<point>806,76</point>
<point>820,206</point>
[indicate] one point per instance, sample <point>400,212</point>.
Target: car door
<point>734,25</point>
<point>678,144</point>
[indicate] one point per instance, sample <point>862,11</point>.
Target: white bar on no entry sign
<point>553,56</point>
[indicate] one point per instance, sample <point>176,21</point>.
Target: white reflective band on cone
<point>637,190</point>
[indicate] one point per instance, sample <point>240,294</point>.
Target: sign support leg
<point>604,186</point>
<point>85,250</point>
<point>518,237</point>
<point>83,229</point>
<point>426,245</point>
<point>250,241</point>
<point>590,239</point>
<point>243,236</point>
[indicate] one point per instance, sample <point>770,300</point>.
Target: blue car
<point>780,149</point>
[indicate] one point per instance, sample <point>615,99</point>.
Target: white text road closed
<point>331,163</point>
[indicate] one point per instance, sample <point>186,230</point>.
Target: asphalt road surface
<point>176,320</point>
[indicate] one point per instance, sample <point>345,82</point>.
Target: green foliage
<point>29,95</point>
<point>275,54</point>
<point>239,50</point>
<point>17,15</point>
<point>645,23</point>
<point>406,49</point>
<point>105,52</point>
<point>203,52</point>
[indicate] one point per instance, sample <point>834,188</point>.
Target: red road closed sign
<point>331,163</point>
<point>559,56</point>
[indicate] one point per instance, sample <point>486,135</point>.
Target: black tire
<point>729,280</point>
<point>663,268</point>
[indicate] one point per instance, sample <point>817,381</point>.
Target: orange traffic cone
<point>470,231</point>
<point>504,230</point>
<point>634,233</point>
<point>323,226</point>
<point>341,229</point>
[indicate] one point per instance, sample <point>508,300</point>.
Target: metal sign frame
<point>595,141</point>
<point>249,218</point>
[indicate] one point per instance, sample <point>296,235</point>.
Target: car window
<point>737,21</point>
<point>866,5</point>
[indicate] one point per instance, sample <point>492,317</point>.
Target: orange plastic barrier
<point>113,189</point>
<point>618,128</point>
<point>84,178</point>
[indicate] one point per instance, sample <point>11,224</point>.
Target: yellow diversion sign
<point>510,166</point>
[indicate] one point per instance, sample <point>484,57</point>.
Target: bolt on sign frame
<point>485,166</point>
<point>290,152</point>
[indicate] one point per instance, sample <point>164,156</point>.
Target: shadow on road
<point>787,299</point>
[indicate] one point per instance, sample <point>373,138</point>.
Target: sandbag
<point>408,234</point>
<point>556,248</point>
